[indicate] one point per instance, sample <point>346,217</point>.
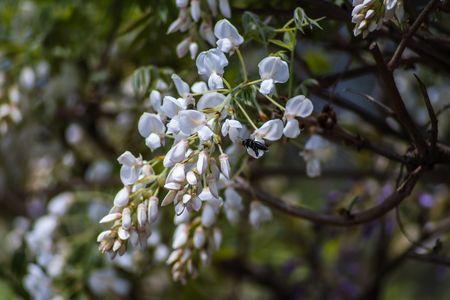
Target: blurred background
<point>74,79</point>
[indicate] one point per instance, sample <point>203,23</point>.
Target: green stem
<point>241,60</point>
<point>275,102</point>
<point>246,115</point>
<point>291,70</point>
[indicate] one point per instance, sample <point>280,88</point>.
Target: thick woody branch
<point>366,216</point>
<point>397,101</point>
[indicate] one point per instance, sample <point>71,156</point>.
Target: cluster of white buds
<point>191,13</point>
<point>195,176</point>
<point>193,243</point>
<point>369,15</point>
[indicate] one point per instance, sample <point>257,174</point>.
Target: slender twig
<point>387,109</point>
<point>393,63</point>
<point>366,216</point>
<point>431,113</point>
<point>437,259</point>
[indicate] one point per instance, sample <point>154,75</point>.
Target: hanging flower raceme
<point>368,15</point>
<point>272,70</point>
<point>228,37</point>
<point>211,64</point>
<point>298,106</point>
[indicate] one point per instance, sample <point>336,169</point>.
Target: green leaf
<point>281,44</point>
<point>141,79</point>
<point>255,29</point>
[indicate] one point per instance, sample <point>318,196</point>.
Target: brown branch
<point>431,114</point>
<point>398,105</point>
<point>393,63</point>
<point>366,216</point>
<point>437,259</point>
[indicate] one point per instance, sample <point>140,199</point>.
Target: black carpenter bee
<point>254,145</point>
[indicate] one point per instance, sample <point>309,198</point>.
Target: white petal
<point>225,165</point>
<point>210,100</point>
<point>168,199</point>
<point>213,6</point>
<point>172,106</point>
<point>152,210</point>
<point>199,87</point>
<point>141,214</point>
<point>211,61</point>
<point>181,86</point>
<point>225,45</point>
<point>110,217</point>
<point>266,87</point>
<point>224,7</point>
<point>292,129</point>
<point>126,218</point>
<point>225,30</point>
<point>195,10</point>
<point>253,153</point>
<point>313,168</point>
<point>177,174</point>
<point>153,141</point>
<point>182,3</point>
<point>155,100</point>
<point>127,159</point>
<point>129,175</point>
<point>193,49</point>
<point>122,197</point>
<point>202,162</point>
<point>176,154</point>
<point>274,68</point>
<point>272,130</point>
<point>205,133</point>
<point>180,236</point>
<point>299,106</point>
<point>208,216</point>
<point>199,237</point>
<point>206,33</point>
<point>183,47</point>
<point>150,123</point>
<point>215,82</point>
<point>191,121</point>
<point>191,178</point>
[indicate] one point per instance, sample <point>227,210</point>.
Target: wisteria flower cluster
<point>192,12</point>
<point>369,15</point>
<point>204,129</point>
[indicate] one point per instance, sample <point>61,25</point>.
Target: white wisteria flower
<point>232,128</point>
<point>233,205</point>
<point>131,167</point>
<point>192,121</point>
<point>271,130</point>
<point>228,37</point>
<point>171,106</point>
<point>176,153</point>
<point>152,129</point>
<point>211,64</point>
<point>272,70</point>
<point>317,149</point>
<point>298,106</point>
<point>259,213</point>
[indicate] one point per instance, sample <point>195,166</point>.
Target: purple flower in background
<point>426,200</point>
